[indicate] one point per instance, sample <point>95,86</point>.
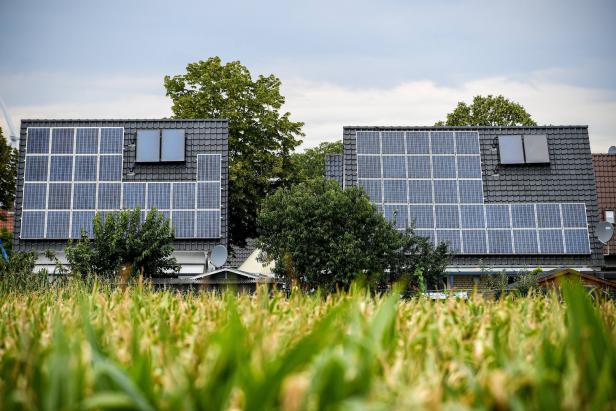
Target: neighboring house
<point>556,277</point>
<point>605,174</point>
<point>6,220</point>
<point>71,169</point>
<point>502,198</point>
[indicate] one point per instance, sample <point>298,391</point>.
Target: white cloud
<point>325,107</point>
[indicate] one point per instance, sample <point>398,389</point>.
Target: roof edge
<point>49,120</point>
<point>459,127</point>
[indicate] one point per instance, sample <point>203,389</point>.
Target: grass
<point>78,348</point>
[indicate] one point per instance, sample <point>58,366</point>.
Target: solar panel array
<point>73,173</point>
<point>432,180</point>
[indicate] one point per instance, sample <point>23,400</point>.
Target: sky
<point>340,62</point>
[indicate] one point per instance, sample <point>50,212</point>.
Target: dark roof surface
<point>605,174</point>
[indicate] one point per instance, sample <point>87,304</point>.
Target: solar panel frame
<point>444,167</point>
<point>84,196</point>
<point>183,222</point>
<point>393,142</point>
<point>36,168</point>
<point>86,140</point>
<point>61,168</point>
<point>420,192</point>
<point>368,142</point>
<point>33,225</point>
<point>442,142</point>
<point>34,196</point>
<point>59,196</point>
<point>208,224</point>
<point>58,225</point>
<point>62,140</point>
<point>394,166</point>
<point>37,140</point>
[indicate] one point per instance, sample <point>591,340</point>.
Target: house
<point>503,198</point>
<point>605,174</point>
<point>556,277</point>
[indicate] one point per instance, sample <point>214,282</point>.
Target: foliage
<point>311,163</point>
<point>7,240</point>
<point>17,274</point>
<point>123,243</point>
<point>261,138</point>
<point>8,173</point>
<point>84,348</point>
<point>322,236</point>
<point>488,111</point>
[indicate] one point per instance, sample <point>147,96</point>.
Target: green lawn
<point>78,348</point>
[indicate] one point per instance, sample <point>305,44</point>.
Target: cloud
<point>324,107</point>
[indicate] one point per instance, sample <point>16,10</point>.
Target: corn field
<point>89,348</point>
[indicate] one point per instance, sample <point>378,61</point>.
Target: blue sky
<point>341,63</point>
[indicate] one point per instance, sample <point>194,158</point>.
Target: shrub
<point>17,274</point>
<point>123,243</point>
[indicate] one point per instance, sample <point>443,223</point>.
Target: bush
<point>322,236</point>
<point>17,274</point>
<point>123,243</point>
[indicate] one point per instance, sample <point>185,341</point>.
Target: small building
<point>503,198</point>
<point>555,279</point>
<point>605,174</point>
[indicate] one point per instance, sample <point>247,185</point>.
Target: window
<point>527,149</point>
<point>609,216</point>
<point>155,146</point>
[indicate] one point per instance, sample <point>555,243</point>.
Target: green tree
<point>489,111</point>
<point>322,236</point>
<point>124,245</point>
<point>8,173</point>
<point>261,138</point>
<point>310,163</point>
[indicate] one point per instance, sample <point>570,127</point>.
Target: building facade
<point>605,173</point>
<point>508,199</point>
<point>69,170</point>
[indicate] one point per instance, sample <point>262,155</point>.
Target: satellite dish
<point>605,231</point>
<point>612,150</point>
<point>219,256</point>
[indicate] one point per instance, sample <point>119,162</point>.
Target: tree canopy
<point>261,137</point>
<point>8,173</point>
<point>322,236</point>
<point>311,163</point>
<point>489,111</point>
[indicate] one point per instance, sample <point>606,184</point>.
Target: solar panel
<point>173,145</point>
<point>159,196</point>
<point>32,224</point>
<point>421,216</point>
<point>38,141</point>
<point>474,242</point>
<point>396,215</point>
<point>525,241</point>
<point>208,167</point>
<point>471,216</point>
<point>394,167</point>
<point>499,242</point>
<point>469,167</point>
<point>35,196</point>
<point>84,196</point>
<point>148,146</point>
<point>111,140</point>
<point>85,168</point>
<point>394,191</point>
<point>536,148</point>
<point>86,141</point>
<point>419,167</point>
<point>420,191</point>
<point>574,215</point>
<point>447,216</point>
<point>471,191</point>
<point>61,168</point>
<point>110,168</point>
<point>208,195</point>
<point>510,149</point>
<point>62,140</point>
<point>444,167</point>
<point>548,215</point>
<point>36,168</point>
<point>208,224</point>
<point>368,142</point>
<point>497,216</point>
<point>451,238</point>
<point>183,196</point>
<point>59,196</point>
<point>368,167</point>
<point>58,224</point>
<point>445,191</point>
<point>467,142</point>
<point>523,216</point>
<point>133,195</point>
<point>576,241</point>
<point>429,234</point>
<point>551,241</point>
<point>109,195</point>
<point>82,223</point>
<point>393,142</point>
<point>442,142</point>
<point>373,189</point>
<point>417,142</point>
<point>183,223</point>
